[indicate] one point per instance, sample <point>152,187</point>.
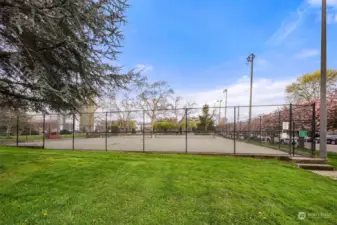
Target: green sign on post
<point>303,133</point>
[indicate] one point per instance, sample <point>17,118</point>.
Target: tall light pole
<point>323,113</point>
<point>250,59</point>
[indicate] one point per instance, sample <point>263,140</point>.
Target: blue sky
<point>200,47</point>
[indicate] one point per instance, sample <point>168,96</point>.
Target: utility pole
<point>250,59</point>
<point>323,111</point>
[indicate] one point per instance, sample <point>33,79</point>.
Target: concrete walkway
<point>331,174</point>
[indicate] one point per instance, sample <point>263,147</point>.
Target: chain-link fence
<point>274,130</point>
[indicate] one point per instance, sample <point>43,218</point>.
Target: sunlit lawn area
<point>64,187</point>
<point>332,159</point>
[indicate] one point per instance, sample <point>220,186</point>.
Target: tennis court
<point>158,143</point>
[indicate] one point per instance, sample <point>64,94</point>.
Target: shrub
<point>114,129</point>
<point>28,132</point>
<point>64,131</point>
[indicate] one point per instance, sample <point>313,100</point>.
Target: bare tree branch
<point>154,97</point>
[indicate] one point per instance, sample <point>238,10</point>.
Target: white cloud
<point>305,53</point>
<point>265,92</point>
<point>144,68</point>
<point>288,26</point>
<point>293,22</point>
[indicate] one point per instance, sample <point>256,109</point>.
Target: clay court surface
<point>162,143</point>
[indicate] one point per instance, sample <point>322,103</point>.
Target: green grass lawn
<point>332,159</point>
<point>37,137</point>
<point>64,187</point>
<point>21,138</point>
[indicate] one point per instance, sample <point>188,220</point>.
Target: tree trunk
<point>8,130</point>
<point>153,120</point>
<point>58,124</point>
<point>9,126</point>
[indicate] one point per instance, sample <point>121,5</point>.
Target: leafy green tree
<point>165,126</point>
<point>126,125</point>
<point>206,119</point>
<point>307,86</point>
<point>54,54</point>
<point>190,124</point>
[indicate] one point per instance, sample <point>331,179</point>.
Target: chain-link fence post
<point>293,141</point>
<point>143,130</point>
<point>234,130</point>
<point>289,128</point>
<point>44,131</point>
<point>290,125</point>
<point>73,146</point>
<point>106,131</point>
<point>313,136</point>
<point>17,130</point>
<point>279,129</point>
<point>186,126</point>
<point>238,120</point>
<point>260,130</point>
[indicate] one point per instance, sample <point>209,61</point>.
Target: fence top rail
<point>169,109</point>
